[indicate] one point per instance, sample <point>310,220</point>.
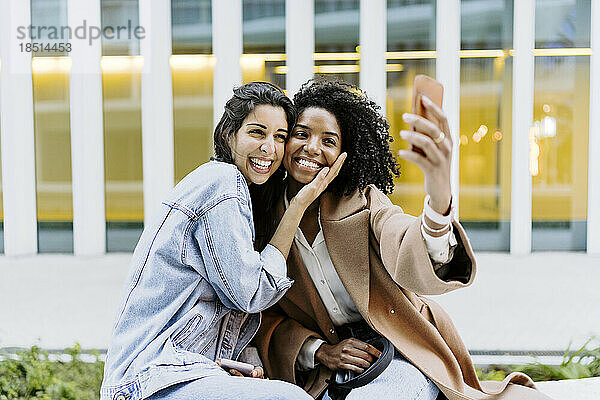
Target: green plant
<point>583,363</point>
<point>493,373</point>
<point>31,375</point>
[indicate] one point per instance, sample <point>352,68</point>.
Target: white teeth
<point>261,163</point>
<point>308,164</point>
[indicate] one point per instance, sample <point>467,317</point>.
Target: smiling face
<point>258,146</point>
<point>315,143</point>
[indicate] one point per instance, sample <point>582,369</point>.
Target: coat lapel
<point>345,223</point>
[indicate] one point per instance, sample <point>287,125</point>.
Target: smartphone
<point>425,85</point>
<point>244,368</point>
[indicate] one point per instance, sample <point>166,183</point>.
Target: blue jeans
<point>227,387</point>
<point>399,381</point>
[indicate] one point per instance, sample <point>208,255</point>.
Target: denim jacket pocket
<point>181,337</point>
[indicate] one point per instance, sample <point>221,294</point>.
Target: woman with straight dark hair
<point>196,285</point>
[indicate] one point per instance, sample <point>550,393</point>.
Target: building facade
<point>92,138</point>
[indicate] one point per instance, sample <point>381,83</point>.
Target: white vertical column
<point>87,134</point>
<point>447,70</point>
<point>157,103</point>
<point>18,144</point>
<point>299,42</point>
<point>373,44</point>
<point>522,114</point>
<point>593,215</point>
<point>227,48</point>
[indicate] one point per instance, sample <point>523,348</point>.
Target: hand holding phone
<point>430,141</point>
<point>244,368</point>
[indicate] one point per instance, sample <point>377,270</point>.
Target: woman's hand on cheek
<point>436,144</point>
<point>312,190</point>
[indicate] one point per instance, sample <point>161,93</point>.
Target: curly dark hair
<point>365,134</point>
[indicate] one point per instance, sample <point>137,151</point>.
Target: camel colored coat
<point>381,258</point>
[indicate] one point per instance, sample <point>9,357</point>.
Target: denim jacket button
<point>120,397</point>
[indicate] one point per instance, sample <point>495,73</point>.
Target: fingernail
<point>427,100</point>
<point>408,117</point>
<point>403,134</point>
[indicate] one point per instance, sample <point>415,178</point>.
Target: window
<point>559,137</point>
<point>263,29</point>
<point>121,89</point>
<point>192,66</point>
<point>486,122</point>
<point>411,51</point>
<point>336,40</point>
<point>54,192</point>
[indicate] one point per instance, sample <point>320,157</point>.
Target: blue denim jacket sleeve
<point>243,278</point>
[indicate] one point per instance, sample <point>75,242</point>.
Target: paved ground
<point>539,302</point>
<point>576,389</point>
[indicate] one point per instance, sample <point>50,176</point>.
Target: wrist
<point>441,206</point>
<point>296,207</point>
<point>320,352</point>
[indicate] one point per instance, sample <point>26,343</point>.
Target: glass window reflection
<point>486,123</point>
<point>115,14</point>
<point>50,78</point>
<point>337,27</point>
<point>263,29</point>
<point>121,87</point>
<point>559,153</point>
<point>411,51</point>
<point>562,24</point>
<point>192,66</point>
<point>192,26</point>
<point>48,19</point>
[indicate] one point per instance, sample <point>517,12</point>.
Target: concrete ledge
<point>572,389</point>
<point>538,302</point>
<point>542,301</point>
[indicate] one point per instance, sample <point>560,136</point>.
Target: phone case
<point>425,85</point>
<point>244,368</point>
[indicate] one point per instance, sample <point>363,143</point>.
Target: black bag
<point>344,381</point>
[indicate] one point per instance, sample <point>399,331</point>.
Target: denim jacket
<point>195,288</point>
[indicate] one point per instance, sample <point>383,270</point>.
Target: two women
<point>360,264</point>
<point>196,284</point>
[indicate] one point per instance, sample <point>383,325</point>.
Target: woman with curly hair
<point>360,264</point>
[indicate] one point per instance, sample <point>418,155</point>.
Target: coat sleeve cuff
<point>439,248</point>
<point>306,358</point>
